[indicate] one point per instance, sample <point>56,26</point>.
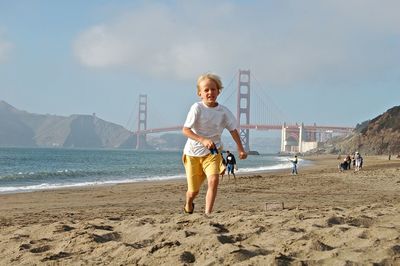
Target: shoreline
<point>40,187</point>
<point>328,218</point>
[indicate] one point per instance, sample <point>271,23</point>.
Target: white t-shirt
<point>208,122</point>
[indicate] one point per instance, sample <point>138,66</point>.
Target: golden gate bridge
<point>294,137</point>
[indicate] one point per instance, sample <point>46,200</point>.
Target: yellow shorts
<point>198,168</point>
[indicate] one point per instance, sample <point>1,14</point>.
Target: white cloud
<point>5,47</point>
<point>285,43</point>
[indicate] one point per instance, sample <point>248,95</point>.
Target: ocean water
<point>30,169</point>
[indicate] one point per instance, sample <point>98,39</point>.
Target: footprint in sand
<point>57,256</point>
<point>219,228</point>
<point>165,244</point>
<point>320,246</point>
<point>114,236</point>
<point>230,239</point>
<point>140,244</point>
<point>245,254</point>
<point>40,249</point>
<point>64,228</point>
<point>100,227</point>
<point>187,257</point>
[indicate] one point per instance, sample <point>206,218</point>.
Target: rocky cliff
<point>380,135</point>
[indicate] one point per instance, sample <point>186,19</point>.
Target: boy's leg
<point>190,196</point>
<point>194,177</point>
<point>211,193</point>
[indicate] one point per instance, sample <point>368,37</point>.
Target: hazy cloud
<point>5,46</point>
<point>284,42</point>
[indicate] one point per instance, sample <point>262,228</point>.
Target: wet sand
<point>328,218</point>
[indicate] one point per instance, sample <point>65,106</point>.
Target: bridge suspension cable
<point>264,104</point>
<point>132,120</point>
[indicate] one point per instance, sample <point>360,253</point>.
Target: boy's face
<point>208,92</point>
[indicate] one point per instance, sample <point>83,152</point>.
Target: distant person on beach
<point>294,165</point>
<point>224,166</point>
<point>344,165</point>
<point>203,127</point>
<point>348,160</point>
<point>359,161</point>
<point>230,164</point>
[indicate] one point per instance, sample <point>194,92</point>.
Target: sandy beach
<point>328,218</point>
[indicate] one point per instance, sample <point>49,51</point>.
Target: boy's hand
<point>242,155</point>
<point>209,144</point>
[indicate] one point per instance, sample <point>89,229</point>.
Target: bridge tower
<point>243,106</point>
<point>142,122</point>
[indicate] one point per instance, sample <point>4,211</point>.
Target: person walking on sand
<point>359,162</point>
<point>224,166</point>
<point>203,127</point>
<point>294,165</point>
<point>230,164</point>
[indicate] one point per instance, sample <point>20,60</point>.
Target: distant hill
<point>22,129</point>
<point>380,135</point>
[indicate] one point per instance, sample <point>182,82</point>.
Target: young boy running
<point>203,127</point>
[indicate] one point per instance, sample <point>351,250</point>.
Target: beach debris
<point>274,206</point>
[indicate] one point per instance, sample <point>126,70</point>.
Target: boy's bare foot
<point>187,210</point>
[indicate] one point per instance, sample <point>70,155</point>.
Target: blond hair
<point>212,77</point>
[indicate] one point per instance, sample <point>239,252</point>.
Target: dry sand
<point>329,218</point>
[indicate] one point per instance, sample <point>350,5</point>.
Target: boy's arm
<point>188,132</point>
<point>236,138</point>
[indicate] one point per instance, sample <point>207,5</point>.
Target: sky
<point>333,62</point>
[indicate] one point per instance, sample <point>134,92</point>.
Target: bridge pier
<point>243,107</point>
<point>142,122</point>
<point>299,139</point>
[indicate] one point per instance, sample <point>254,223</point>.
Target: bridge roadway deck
<point>333,129</point>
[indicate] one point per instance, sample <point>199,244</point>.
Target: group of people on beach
<point>356,160</point>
